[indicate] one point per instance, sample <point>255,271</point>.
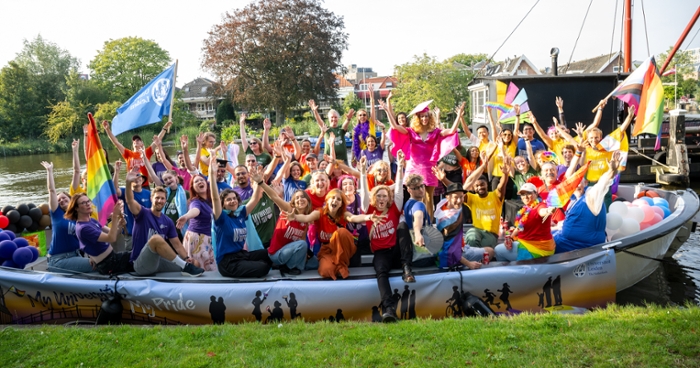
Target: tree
<point>428,79</point>
<point>468,59</point>
<point>127,64</point>
<point>277,54</point>
<point>225,111</point>
<point>352,102</point>
<point>21,112</point>
<point>683,63</point>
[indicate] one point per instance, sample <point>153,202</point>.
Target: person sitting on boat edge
<point>155,237</point>
<point>532,236</point>
<point>587,215</point>
<point>63,254</point>
<point>231,232</point>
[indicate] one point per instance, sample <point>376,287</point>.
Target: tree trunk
<point>280,112</point>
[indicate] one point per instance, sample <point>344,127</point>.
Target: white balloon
<point>613,221</point>
<point>629,226</point>
<point>635,213</point>
<point>610,233</point>
<point>619,208</point>
<point>617,236</point>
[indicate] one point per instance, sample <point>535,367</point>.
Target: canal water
<point>23,180</point>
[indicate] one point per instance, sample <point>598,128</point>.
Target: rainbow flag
<point>616,141</point>
<point>644,91</point>
<point>562,193</point>
<point>100,187</point>
<point>16,291</point>
<point>500,106</point>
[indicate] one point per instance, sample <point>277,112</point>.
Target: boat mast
<point>628,36</point>
<point>680,40</point>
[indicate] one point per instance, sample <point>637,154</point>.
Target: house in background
<point>343,89</point>
<point>354,73</point>
<point>199,98</point>
<point>599,64</point>
<point>381,85</point>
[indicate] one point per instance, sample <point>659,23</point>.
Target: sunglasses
<point>418,187</point>
<point>252,143</point>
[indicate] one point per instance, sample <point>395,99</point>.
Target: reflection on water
<point>23,180</point>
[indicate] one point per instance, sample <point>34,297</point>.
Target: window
<point>389,84</point>
<point>210,106</point>
<point>204,89</point>
<point>363,87</point>
<point>479,98</point>
<point>616,69</point>
<point>522,71</point>
<point>187,88</point>
<point>186,107</point>
<point>201,106</point>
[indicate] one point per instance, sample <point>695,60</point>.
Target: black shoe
<point>284,270</point>
<point>408,274</point>
<point>192,270</point>
<point>389,315</point>
<point>294,271</point>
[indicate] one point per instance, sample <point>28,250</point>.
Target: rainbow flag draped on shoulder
<point>100,187</point>
<point>562,193</point>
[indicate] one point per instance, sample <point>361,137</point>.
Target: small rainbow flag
<point>16,291</point>
<point>562,193</point>
<point>500,106</point>
<point>100,187</point>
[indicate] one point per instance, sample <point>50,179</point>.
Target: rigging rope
<point>644,16</point>
<point>579,36</point>
<point>622,26</point>
<point>612,39</point>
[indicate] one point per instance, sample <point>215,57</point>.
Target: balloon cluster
<point>627,218</point>
<point>26,216</point>
<point>15,251</point>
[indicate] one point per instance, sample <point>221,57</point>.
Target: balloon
<point>23,209</point>
<point>21,242</point>
<point>7,209</point>
<point>11,228</point>
<point>4,221</point>
<point>619,208</point>
<point>13,216</point>
<point>35,253</point>
<point>33,227</point>
<point>657,218</point>
<point>610,233</point>
<point>7,248</point>
<point>46,221</point>
<point>667,212</point>
<point>35,214</point>
<point>24,222</point>
<point>44,208</point>
<point>660,202</point>
<point>648,200</point>
<point>640,202</point>
<point>618,235</point>
<point>10,233</point>
<point>9,263</point>
<point>635,213</point>
<point>658,211</point>
<point>644,225</point>
<point>22,256</point>
<point>613,221</point>
<point>5,236</point>
<point>629,226</point>
<point>648,213</point>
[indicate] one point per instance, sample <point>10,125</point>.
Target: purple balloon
<point>10,263</point>
<point>35,253</point>
<point>11,234</point>
<point>22,256</point>
<point>21,242</point>
<point>7,248</point>
<point>5,235</point>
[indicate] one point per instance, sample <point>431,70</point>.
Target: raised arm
<point>392,121</point>
<point>492,123</point>
<point>317,147</point>
<point>348,117</point>
<point>115,179</point>
<point>516,128</point>
<point>453,129</point>
<point>574,162</point>
<point>364,185</point>
<point>317,116</point>
<point>117,224</point>
<point>166,128</point>
<point>244,137</point>
<point>131,202</point>
<point>382,142</point>
<point>198,156</point>
<point>628,120</point>
<point>185,152</point>
<point>347,169</point>
<point>501,189</point>
<point>75,182</point>
<point>398,187</point>
<point>283,172</point>
<point>540,131</point>
<point>53,198</point>
<point>304,219</point>
<point>112,137</point>
<point>530,154</point>
<point>256,176</point>
<point>295,143</point>
<point>485,157</point>
<point>279,201</point>
<point>267,124</point>
<point>213,188</point>
<point>598,115</point>
<point>151,173</point>
<point>560,107</point>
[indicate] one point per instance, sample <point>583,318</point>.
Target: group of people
<point>290,207</point>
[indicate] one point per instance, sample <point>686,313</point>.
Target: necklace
<point>523,214</point>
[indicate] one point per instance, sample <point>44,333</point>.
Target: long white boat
<point>569,282</point>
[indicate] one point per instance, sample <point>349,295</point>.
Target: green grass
<point>614,337</point>
<point>34,147</point>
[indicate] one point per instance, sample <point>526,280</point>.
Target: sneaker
<point>408,274</point>
<point>294,271</point>
<point>389,315</point>
<point>192,270</point>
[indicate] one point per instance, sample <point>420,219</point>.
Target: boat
<point>571,282</point>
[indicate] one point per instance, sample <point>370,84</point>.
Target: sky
<point>382,33</point>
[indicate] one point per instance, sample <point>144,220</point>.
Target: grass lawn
<point>615,337</point>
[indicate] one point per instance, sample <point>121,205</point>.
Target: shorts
<point>115,263</point>
<point>150,262</point>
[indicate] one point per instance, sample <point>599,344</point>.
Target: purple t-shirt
<point>373,156</point>
<point>244,193</point>
<point>202,223</point>
<point>88,232</point>
<point>146,224</point>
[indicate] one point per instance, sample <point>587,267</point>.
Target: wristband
<point>578,153</point>
<point>259,182</point>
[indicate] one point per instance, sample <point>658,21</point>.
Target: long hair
<point>419,128</point>
<point>375,190</point>
<point>72,209</point>
<point>302,211</point>
<point>338,217</point>
<point>469,156</point>
<point>194,195</point>
<point>512,137</point>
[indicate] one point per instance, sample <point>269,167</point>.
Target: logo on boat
<point>160,90</point>
<point>580,270</point>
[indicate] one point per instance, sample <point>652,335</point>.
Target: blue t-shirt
<point>291,186</point>
<point>63,239</point>
<point>146,224</point>
<point>88,232</point>
<point>231,232</point>
<point>409,210</point>
<point>202,223</point>
<point>144,199</point>
<point>222,185</point>
<point>537,145</point>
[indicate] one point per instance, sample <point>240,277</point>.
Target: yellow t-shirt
<point>486,212</point>
<point>72,191</point>
<point>599,163</point>
<point>203,167</point>
<point>498,159</point>
<point>557,146</point>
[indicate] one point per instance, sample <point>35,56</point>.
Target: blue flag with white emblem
<point>148,105</point>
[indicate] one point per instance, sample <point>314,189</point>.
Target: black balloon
<point>33,227</point>
<point>7,209</point>
<point>13,216</point>
<point>24,222</point>
<point>23,209</point>
<point>31,205</point>
<point>35,213</point>
<point>11,227</point>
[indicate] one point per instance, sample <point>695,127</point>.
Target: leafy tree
<point>277,54</point>
<point>106,111</point>
<point>21,112</point>
<point>64,120</point>
<point>80,91</point>
<point>468,59</point>
<point>352,102</point>
<point>127,64</point>
<point>683,63</point>
<point>225,111</point>
<point>429,79</point>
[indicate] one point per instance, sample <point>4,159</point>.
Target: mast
<point>680,40</point>
<point>628,36</point>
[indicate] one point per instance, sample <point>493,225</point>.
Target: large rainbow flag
<point>644,91</point>
<point>616,141</point>
<point>100,187</point>
<point>562,193</point>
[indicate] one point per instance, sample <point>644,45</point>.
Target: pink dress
<point>422,156</point>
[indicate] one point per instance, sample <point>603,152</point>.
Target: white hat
<point>421,107</point>
<point>527,187</point>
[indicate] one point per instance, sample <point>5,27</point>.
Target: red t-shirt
<point>133,159</point>
<point>285,233</point>
<point>325,227</point>
<point>533,228</point>
<point>371,182</point>
<point>383,235</point>
<point>316,201</point>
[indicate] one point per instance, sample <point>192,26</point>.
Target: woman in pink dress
<point>424,144</point>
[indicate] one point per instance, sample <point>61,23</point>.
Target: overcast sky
<point>382,33</point>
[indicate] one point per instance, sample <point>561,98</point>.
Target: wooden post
<point>677,155</point>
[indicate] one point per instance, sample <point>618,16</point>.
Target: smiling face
<point>568,154</point>
<point>299,201</point>
<point>334,201</point>
<point>482,188</point>
<point>333,118</point>
<point>295,171</point>
<point>312,163</point>
<point>529,132</point>
<point>507,136</point>
<point>553,134</point>
<point>348,186</point>
<point>158,200</point>
<point>455,200</point>
<point>255,145</point>
<point>181,159</point>
<point>361,116</point>
<point>521,164</point>
<point>528,197</point>
<point>594,137</point>
<point>402,120</point>
<point>371,143</point>
<point>473,153</point>
<point>200,186</point>
<point>305,147</point>
<point>250,162</point>
<point>169,180</point>
<point>242,176</point>
<point>549,172</point>
<point>482,133</point>
<point>319,182</point>
<point>424,118</point>
<point>381,171</point>
<point>231,201</point>
<point>63,200</point>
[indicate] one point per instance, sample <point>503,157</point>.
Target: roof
<point>591,65</point>
<point>382,81</point>
<point>507,67</point>
<point>342,81</point>
<point>198,88</point>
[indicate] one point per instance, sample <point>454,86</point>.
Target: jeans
<point>516,253</point>
<point>70,262</point>
<point>293,255</point>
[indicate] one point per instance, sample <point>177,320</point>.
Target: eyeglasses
<point>252,143</point>
<point>251,160</point>
<point>417,187</point>
<point>88,202</point>
<point>361,114</point>
<point>382,170</point>
<point>241,173</point>
<point>526,194</point>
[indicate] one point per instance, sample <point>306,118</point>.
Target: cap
<point>222,163</point>
<point>312,155</point>
<point>453,188</point>
<point>422,107</point>
<point>135,137</point>
<point>527,187</point>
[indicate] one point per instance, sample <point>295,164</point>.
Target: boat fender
<point>473,306</point>
<point>111,309</point>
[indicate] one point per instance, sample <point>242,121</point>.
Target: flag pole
<point>605,99</point>
<point>172,95</point>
